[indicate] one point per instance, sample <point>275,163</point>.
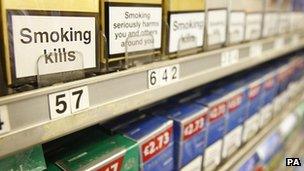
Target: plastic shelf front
<point>117,93</point>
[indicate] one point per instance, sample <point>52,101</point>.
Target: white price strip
<point>234,56</point>
<point>68,102</point>
<point>295,39</point>
<point>255,50</point>
<point>163,76</point>
<point>225,59</point>
<point>230,57</point>
<point>279,43</point>
<point>4,120</point>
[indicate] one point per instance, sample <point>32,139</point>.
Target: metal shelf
<point>117,93</point>
<point>249,148</point>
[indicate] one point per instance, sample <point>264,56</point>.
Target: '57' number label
<point>155,145</point>
<point>163,76</point>
<point>68,102</point>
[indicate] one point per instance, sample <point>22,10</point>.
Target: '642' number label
<point>67,102</point>
<point>163,76</point>
<point>155,145</point>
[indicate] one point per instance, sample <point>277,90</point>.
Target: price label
<point>68,102</point>
<point>234,102</point>
<point>279,43</point>
<point>230,57</point>
<point>254,91</point>
<point>217,111</point>
<point>155,145</point>
<point>193,127</point>
<point>255,50</point>
<point>114,165</point>
<point>163,76</point>
<point>4,120</point>
<point>295,39</point>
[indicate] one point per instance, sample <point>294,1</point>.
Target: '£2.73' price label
<point>163,76</point>
<point>4,120</point>
<point>193,127</point>
<point>156,144</point>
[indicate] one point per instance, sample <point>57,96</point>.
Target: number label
<point>67,102</point>
<point>295,39</point>
<point>59,104</point>
<point>255,50</point>
<point>229,57</point>
<point>79,99</point>
<point>156,144</point>
<point>4,120</point>
<point>163,76</point>
<point>279,43</point>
